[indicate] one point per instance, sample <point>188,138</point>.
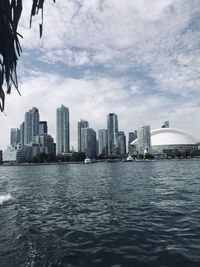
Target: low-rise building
<point>12,154</point>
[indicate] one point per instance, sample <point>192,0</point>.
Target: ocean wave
<point>5,198</point>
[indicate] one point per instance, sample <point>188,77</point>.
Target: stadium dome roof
<point>170,136</point>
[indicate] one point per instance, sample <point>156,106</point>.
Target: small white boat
<point>129,159</point>
<point>87,160</point>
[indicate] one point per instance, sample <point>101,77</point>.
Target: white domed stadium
<point>170,140</point>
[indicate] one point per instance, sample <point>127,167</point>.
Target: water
<point>102,214</point>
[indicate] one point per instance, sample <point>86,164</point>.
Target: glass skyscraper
<point>112,127</point>
<point>81,124</point>
<point>88,142</point>
<point>103,141</point>
<point>121,143</point>
<point>31,125</point>
<point>62,130</point>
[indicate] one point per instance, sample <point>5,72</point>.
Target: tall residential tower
<point>81,124</point>
<point>62,130</point>
<point>31,125</point>
<point>112,126</point>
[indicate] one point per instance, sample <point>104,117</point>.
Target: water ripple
<point>138,214</point>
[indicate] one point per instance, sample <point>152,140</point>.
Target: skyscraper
<point>103,141</point>
<point>14,136</point>
<point>131,137</point>
<point>81,124</point>
<point>121,143</point>
<point>22,134</point>
<point>144,139</point>
<point>31,125</point>
<point>112,126</point>
<point>62,130</point>
<point>88,142</point>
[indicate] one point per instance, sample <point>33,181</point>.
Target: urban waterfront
<point>102,214</point>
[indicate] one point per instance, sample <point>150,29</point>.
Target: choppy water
<point>102,214</point>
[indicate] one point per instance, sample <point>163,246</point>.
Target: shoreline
<point>98,161</point>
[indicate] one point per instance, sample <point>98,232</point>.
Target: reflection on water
<point>103,214</point>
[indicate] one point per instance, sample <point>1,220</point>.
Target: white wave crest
<point>5,198</point>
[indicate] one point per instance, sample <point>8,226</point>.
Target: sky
<point>137,58</point>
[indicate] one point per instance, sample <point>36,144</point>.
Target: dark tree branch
<point>10,48</point>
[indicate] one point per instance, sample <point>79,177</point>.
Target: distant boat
<point>129,159</point>
<point>87,160</point>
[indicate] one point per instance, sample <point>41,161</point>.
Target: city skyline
<point>73,141</point>
<point>138,59</point>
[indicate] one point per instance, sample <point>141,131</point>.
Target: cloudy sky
<point>137,58</point>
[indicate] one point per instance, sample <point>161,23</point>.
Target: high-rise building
<point>121,143</point>
<point>81,124</point>
<point>103,141</point>
<point>22,134</point>
<point>31,125</point>
<point>62,130</point>
<point>14,137</point>
<point>144,140</point>
<point>112,127</point>
<point>131,137</point>
<point>88,142</point>
<point>43,129</point>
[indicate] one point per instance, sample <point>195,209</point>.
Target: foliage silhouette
<point>10,48</point>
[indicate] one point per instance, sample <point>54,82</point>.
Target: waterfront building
<point>31,125</point>
<point>103,141</point>
<point>62,130</point>
<point>81,124</point>
<point>43,129</point>
<point>112,127</point>
<point>12,154</point>
<point>14,136</point>
<point>121,143</point>
<point>88,142</point>
<point>144,140</point>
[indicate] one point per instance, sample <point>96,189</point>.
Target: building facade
<point>62,130</point>
<point>88,142</point>
<point>81,124</point>
<point>131,137</point>
<point>121,143</point>
<point>14,136</point>
<point>22,134</point>
<point>31,125</point>
<point>12,154</point>
<point>144,140</point>
<point>43,143</point>
<point>103,142</point>
<point>43,129</point>
<point>112,127</point>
